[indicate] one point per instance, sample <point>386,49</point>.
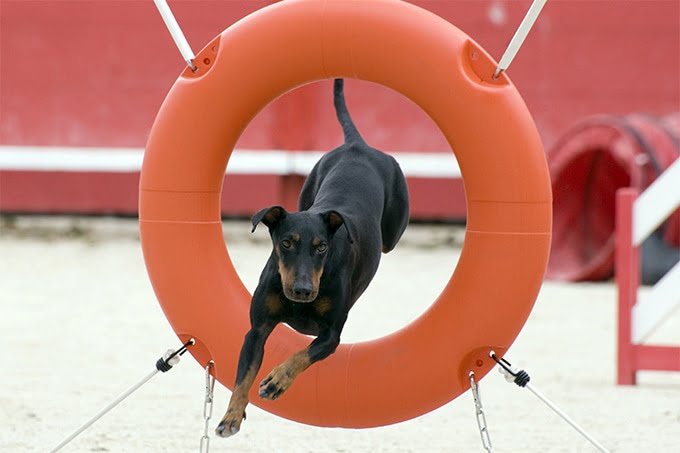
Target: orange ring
<point>393,43</point>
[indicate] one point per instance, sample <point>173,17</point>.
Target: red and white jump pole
<point>637,216</point>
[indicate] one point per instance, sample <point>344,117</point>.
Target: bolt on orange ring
<point>489,296</point>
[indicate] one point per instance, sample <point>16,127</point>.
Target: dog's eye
<point>322,248</point>
<point>286,244</point>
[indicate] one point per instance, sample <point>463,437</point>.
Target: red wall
<point>94,73</point>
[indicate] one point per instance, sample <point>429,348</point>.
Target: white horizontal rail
<point>656,306</point>
<point>114,160</point>
<point>655,204</point>
<point>242,162</point>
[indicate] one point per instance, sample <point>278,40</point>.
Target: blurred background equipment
<point>589,163</point>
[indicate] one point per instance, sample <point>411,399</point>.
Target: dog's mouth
<point>300,298</point>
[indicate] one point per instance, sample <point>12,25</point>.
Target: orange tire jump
<point>492,291</point>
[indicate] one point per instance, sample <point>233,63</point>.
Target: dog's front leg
<point>281,377</point>
<point>249,363</point>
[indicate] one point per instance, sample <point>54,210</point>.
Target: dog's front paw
<point>278,381</point>
<point>231,423</point>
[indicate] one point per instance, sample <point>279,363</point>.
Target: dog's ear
<point>269,216</point>
<point>335,220</point>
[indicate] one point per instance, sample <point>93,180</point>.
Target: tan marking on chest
<point>273,304</point>
<point>323,306</point>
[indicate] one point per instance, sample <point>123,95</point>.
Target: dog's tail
<point>351,133</point>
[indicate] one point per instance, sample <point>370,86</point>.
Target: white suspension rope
<point>165,363</point>
<point>521,33</point>
<point>104,411</point>
<point>176,32</point>
<point>566,418</point>
<point>521,378</point>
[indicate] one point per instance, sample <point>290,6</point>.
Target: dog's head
<point>302,244</point>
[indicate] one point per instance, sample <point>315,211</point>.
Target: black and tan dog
<point>353,205</point>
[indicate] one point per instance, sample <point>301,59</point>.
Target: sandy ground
<point>80,324</point>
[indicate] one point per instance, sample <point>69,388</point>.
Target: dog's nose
<point>302,290</point>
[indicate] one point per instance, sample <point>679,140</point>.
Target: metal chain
<point>481,418</point>
<point>207,407</point>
